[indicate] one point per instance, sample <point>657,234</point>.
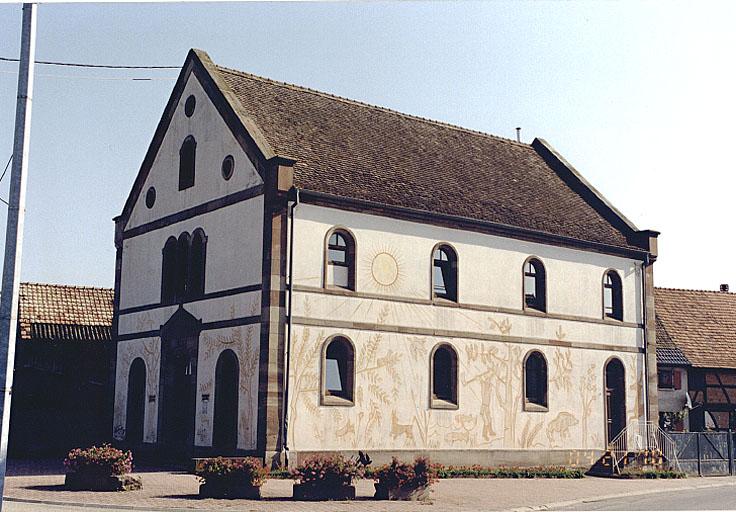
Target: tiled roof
<point>667,352</point>
<point>701,324</point>
<point>351,149</point>
<point>64,313</point>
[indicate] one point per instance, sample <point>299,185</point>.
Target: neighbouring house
<point>61,385</point>
<point>299,272</point>
<point>696,359</point>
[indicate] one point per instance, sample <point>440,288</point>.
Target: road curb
<point>104,506</point>
<point>563,504</point>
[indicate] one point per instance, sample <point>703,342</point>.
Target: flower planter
<point>228,489</point>
<point>320,492</point>
<point>404,493</point>
<point>85,481</point>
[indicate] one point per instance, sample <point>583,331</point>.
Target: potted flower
<point>326,477</point>
<point>403,481</point>
<point>222,477</point>
<point>100,468</point>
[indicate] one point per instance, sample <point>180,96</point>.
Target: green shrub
<point>329,470</point>
<point>652,474</point>
<point>246,470</point>
<point>477,471</point>
<point>101,460</point>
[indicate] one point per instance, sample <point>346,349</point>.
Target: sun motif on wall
<point>385,267</point>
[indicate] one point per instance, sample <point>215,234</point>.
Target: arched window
<point>169,271</point>
<point>340,257</point>
<point>182,265</point>
<point>197,265</point>
<point>187,158</point>
<point>338,362</point>
<point>535,382</point>
<point>535,285</point>
<point>443,377</point>
<point>612,296</point>
<point>444,273</point>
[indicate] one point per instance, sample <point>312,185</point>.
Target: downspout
<point>287,352</point>
<point>644,266</point>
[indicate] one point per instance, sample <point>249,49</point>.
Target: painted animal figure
<point>348,428</point>
<point>560,427</point>
<point>400,429</point>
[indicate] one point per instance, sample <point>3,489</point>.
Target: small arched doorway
<point>135,409</point>
<point>225,425</point>
<point>615,399</point>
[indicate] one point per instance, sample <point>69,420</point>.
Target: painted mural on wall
<point>243,341</point>
<point>149,350</point>
<point>392,393</point>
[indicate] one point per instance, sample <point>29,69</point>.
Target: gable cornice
<point>245,130</point>
<point>645,239</point>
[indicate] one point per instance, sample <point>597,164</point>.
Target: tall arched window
<point>444,272</point>
<point>535,289</point>
<point>187,159</point>
<point>169,271</point>
<point>340,258</point>
<point>535,382</point>
<point>136,403</point>
<point>182,267</point>
<point>612,296</point>
<point>197,265</point>
<point>225,416</point>
<point>443,377</point>
<point>338,363</point>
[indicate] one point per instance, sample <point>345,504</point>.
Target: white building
<point>454,293</point>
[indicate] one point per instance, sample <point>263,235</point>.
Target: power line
<point>82,77</point>
<point>80,65</point>
<point>6,166</point>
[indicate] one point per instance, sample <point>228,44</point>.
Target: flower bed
<point>222,477</point>
<point>100,468</point>
<point>509,472</point>
<point>403,481</point>
<point>651,474</point>
<point>326,477</point>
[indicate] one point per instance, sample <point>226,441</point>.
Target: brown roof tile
<point>62,312</point>
<point>351,149</point>
<point>701,324</point>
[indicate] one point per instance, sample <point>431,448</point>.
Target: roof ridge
<point>718,292</point>
<point>372,106</point>
<point>71,286</point>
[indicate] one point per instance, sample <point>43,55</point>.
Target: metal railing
<point>638,436</point>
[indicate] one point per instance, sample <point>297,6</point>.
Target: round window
<point>151,197</point>
<point>189,105</point>
<point>228,166</point>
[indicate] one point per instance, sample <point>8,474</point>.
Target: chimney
<point>724,288</point>
<point>518,134</point>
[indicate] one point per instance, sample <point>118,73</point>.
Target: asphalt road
<point>715,498</point>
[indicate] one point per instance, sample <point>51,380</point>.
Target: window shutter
<point>676,379</point>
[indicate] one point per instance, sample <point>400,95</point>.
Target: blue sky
<point>639,96</point>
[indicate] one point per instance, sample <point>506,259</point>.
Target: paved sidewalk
<point>167,491</point>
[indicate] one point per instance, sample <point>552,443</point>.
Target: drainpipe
<point>644,265</point>
<point>287,352</point>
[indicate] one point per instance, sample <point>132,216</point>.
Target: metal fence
<point>705,453</point>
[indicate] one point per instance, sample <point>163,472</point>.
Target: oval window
<point>150,197</point>
<point>189,105</point>
<point>228,167</point>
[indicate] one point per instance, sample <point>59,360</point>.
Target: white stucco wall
<point>214,142</point>
<point>394,325</point>
<point>675,400</point>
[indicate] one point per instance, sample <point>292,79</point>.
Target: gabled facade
<point>298,272</point>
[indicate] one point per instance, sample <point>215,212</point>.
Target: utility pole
<point>14,229</point>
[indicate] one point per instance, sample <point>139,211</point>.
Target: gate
<point>705,453</point>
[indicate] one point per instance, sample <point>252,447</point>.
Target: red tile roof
<point>701,324</point>
<point>63,312</point>
<point>350,149</point>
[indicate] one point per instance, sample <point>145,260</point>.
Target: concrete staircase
<point>639,460</point>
